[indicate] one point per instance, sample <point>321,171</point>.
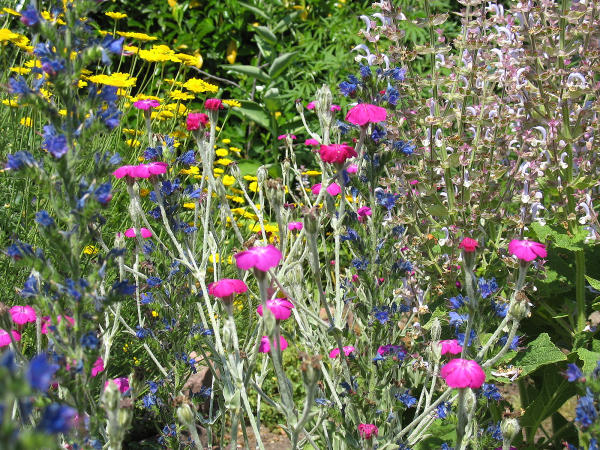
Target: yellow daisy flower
<point>189,205</point>
<point>12,12</point>
<point>253,186</point>
<point>191,60</point>
<point>223,161</point>
<point>250,178</point>
<point>235,149</point>
<point>90,250</point>
<point>180,95</point>
<point>218,170</point>
<point>20,70</point>
<point>115,15</point>
<point>6,35</point>
<point>221,152</point>
<point>232,103</point>
<point>311,173</point>
<point>228,180</point>
<point>117,79</point>
<point>197,85</point>
<point>26,121</point>
<point>139,36</point>
<point>133,142</point>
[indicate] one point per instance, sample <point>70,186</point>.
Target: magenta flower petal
<point>365,113</point>
<point>262,258</point>
<point>146,104</point>
<point>367,430</point>
<point>468,244</point>
<point>295,226</point>
<point>364,211</point>
<point>334,189</point>
<point>280,307</point>
<point>311,105</point>
<point>315,189</point>
<point>336,351</point>
<point>98,367</point>
<point>5,337</point>
<point>145,232</point>
<point>226,287</point>
<point>450,346</point>
<point>22,314</point>
<point>122,171</point>
<point>47,322</point>
<point>352,168</point>
<point>122,383</point>
<point>336,153</point>
<point>311,142</point>
<point>462,373</point>
<point>265,345</point>
<point>527,250</point>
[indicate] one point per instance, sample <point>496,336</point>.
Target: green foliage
<point>538,353</point>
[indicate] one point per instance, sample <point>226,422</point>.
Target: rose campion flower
<point>262,258</point>
<point>141,170</point>
<point>336,351</point>
<point>147,104</point>
<point>336,153</point>
<point>367,430</point>
<point>145,232</point>
<point>122,383</point>
<point>311,105</point>
<point>194,120</point>
<point>22,314</point>
<point>311,142</point>
<point>283,136</point>
<point>333,189</point>
<point>468,245</point>
<point>265,345</point>
<point>450,346</point>
<point>226,287</point>
<point>98,367</point>
<point>527,250</point>
<point>462,373</point>
<point>280,307</point>
<point>213,104</point>
<point>335,108</point>
<point>47,322</point>
<point>352,169</point>
<point>365,113</point>
<point>295,226</point>
<point>364,211</point>
<point>5,337</point>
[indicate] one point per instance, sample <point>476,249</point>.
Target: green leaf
<point>593,283</point>
<point>438,210</point>
<point>590,359</point>
<point>439,313</point>
<point>248,166</point>
<point>540,352</point>
<point>255,10</point>
<point>250,71</point>
<point>254,112</point>
<point>280,63</point>
<point>266,34</point>
<point>559,237</point>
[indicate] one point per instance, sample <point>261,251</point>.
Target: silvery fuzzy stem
<point>306,413</point>
<point>469,280</point>
<point>165,220</point>
<point>417,420</point>
<point>502,352</point>
<point>285,386</point>
<point>300,109</point>
<point>147,114</point>
<point>254,209</point>
<point>253,423</point>
<point>336,225</point>
<point>234,429</point>
<point>462,418</point>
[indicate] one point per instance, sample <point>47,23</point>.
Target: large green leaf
<point>280,63</point>
<point>266,34</point>
<point>255,10</point>
<point>253,111</point>
<point>539,353</point>
<point>590,359</point>
<point>559,237</point>
<point>593,283</point>
<point>251,71</point>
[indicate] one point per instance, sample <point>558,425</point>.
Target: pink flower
<point>527,250</point>
<point>226,287</point>
<point>98,367</point>
<point>352,168</point>
<point>145,232</point>
<point>311,142</point>
<point>280,307</point>
<point>141,170</point>
<point>194,120</point>
<point>468,245</point>
<point>450,346</point>
<point>5,337</point>
<point>364,211</point>
<point>295,226</point>
<point>47,322</point>
<point>146,104</point>
<point>462,373</point>
<point>122,383</point>
<point>336,351</point>
<point>336,153</point>
<point>283,136</point>
<point>22,314</point>
<point>335,108</point>
<point>311,105</point>
<point>265,345</point>
<point>367,430</point>
<point>213,104</point>
<point>263,258</point>
<point>414,182</point>
<point>333,189</point>
<point>365,113</point>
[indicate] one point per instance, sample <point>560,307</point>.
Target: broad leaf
<point>251,71</point>
<point>590,359</point>
<point>266,34</point>
<point>254,112</point>
<point>540,352</point>
<point>280,63</point>
<point>593,283</point>
<point>255,10</point>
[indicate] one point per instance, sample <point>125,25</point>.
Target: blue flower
<point>386,199</point>
<point>405,147</point>
<point>585,411</point>
<point>378,134</point>
<point>458,301</point>
<point>443,409</point>
<point>104,193</point>
<point>347,88</point>
<point>146,298</point>
<point>500,308</point>
<point>573,373</point>
<point>490,391</point>
<point>113,44</point>
<point>142,333</point>
<point>365,71</point>
<point>187,158</point>
<point>149,400</point>
<point>360,264</point>
<point>44,219</point>
<point>398,231</point>
<point>351,235</point>
<point>343,127</point>
<point>457,319</point>
<point>446,447</point>
<point>19,159</point>
<point>123,287</point>
<point>148,247</point>
<point>382,315</point>
<point>514,344</point>
<point>392,95</point>
<point>18,86</point>
<point>460,337</point>
<point>110,116</point>
<point>487,288</point>
<point>40,372</point>
<point>89,340</point>
<point>593,444</point>
<point>408,400</point>
<point>19,249</point>
<point>494,430</point>
<point>55,144</point>
<point>402,266</point>
<point>153,281</point>
<point>397,73</point>
<point>30,16</point>
<point>57,418</point>
<point>153,386</point>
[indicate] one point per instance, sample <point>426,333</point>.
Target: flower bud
<point>324,99</point>
<point>185,415</point>
<point>311,220</point>
<point>519,309</point>
<point>261,174</point>
<point>510,428</point>
<point>111,397</point>
<point>436,329</point>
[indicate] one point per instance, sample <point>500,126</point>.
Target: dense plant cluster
<point>412,266</point>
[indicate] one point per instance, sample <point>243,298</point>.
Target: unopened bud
<point>311,220</point>
<point>510,428</point>
<point>436,329</point>
<point>261,175</point>
<point>185,414</point>
<point>111,397</point>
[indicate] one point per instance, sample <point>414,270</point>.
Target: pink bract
<point>146,104</point>
<point>463,373</point>
<point>22,314</point>
<point>213,104</point>
<point>295,226</point>
<point>265,345</point>
<point>336,351</point>
<point>280,307</point>
<point>450,346</point>
<point>367,430</point>
<point>527,250</point>
<point>122,383</point>
<point>336,153</point>
<point>262,258</point>
<point>468,244</point>
<point>311,142</point>
<point>365,113</point>
<point>194,120</point>
<point>47,322</point>
<point>5,337</point>
<point>98,367</point>
<point>226,287</point>
<point>145,232</point>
